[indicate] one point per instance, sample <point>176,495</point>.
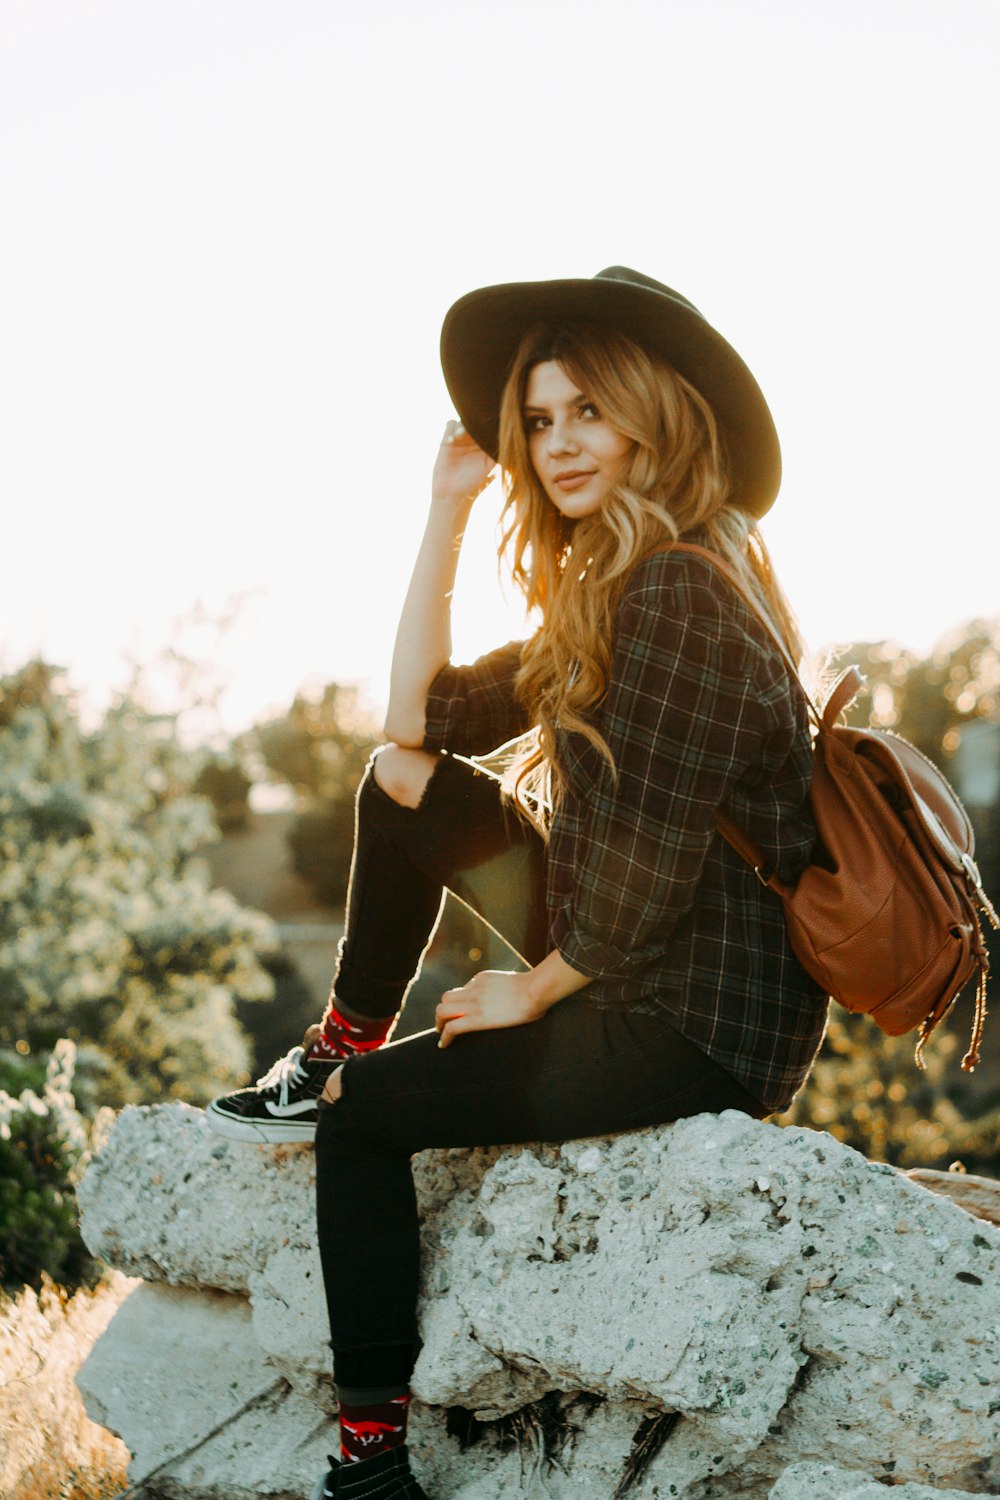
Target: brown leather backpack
<point>886,919</point>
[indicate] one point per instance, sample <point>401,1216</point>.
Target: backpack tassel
<point>971,1058</point>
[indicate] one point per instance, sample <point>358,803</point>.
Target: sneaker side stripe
<point>280,1111</point>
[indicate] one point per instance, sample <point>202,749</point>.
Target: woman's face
<point>576,454</point>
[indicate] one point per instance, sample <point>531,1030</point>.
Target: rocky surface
<point>791,1302</point>
<point>977,1195</point>
<point>827,1482</point>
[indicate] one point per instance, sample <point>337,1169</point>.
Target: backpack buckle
<point>976,880</point>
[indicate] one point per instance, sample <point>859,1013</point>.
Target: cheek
<point>617,455</point>
<point>534,453</point>
<point>614,449</point>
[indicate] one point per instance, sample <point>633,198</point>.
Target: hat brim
<point>483,330</point>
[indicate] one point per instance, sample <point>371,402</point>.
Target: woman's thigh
<point>579,1071</point>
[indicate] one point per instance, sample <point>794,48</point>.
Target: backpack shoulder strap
<point>732,832</point>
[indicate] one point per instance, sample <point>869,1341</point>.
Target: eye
<point>535,423</point>
<point>588,409</point>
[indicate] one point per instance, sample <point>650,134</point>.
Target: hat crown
<point>636,278</point>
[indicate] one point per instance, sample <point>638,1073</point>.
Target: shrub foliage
<point>109,932</point>
<point>44,1146</point>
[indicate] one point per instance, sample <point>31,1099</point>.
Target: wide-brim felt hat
<point>483,330</point>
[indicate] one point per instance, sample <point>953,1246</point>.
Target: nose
<point>561,438</point>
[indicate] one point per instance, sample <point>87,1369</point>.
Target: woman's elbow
<point>405,730</point>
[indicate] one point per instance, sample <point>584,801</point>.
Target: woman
<point>659,979</point>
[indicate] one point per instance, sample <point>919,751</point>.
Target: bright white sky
<point>230,230</point>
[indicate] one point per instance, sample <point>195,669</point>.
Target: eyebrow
<point>581,399</point>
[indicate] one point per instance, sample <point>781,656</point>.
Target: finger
<point>447,1010</point>
<point>453,1028</point>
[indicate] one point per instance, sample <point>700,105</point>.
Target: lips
<point>572,479</point>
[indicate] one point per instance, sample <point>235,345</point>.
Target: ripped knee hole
<point>334,1088</point>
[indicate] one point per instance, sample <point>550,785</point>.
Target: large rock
<point>977,1195</point>
<point>828,1482</point>
<point>789,1300</point>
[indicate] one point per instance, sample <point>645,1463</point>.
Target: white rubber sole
<point>258,1133</point>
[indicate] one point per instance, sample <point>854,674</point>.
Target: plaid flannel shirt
<point>644,895</point>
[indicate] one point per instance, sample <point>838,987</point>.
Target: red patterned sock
<point>366,1431</point>
<point>339,1037</point>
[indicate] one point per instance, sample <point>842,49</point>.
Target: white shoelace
<point>286,1072</point>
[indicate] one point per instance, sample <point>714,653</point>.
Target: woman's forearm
<point>553,979</point>
<point>423,636</point>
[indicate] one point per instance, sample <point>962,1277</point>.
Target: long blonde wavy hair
<point>674,480</point>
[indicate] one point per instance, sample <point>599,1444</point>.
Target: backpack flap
<point>935,808</point>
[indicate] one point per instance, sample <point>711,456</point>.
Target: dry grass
<point>101,1477</point>
<point>49,1449</point>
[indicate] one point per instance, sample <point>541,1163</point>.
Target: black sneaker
<point>282,1104</point>
<point>386,1477</point>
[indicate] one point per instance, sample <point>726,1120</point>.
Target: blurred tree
<point>224,781</point>
<point>927,699</point>
<point>321,841</point>
<point>322,744</point>
<point>108,930</point>
<point>867,1091</point>
<point>321,747</point>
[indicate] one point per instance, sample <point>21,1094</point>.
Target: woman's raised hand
<point>462,470</point>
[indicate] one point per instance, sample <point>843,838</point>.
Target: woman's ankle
<point>345,1034</point>
<point>371,1422</point>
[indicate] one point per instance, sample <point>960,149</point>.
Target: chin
<point>577,509</point>
<point>581,512</point>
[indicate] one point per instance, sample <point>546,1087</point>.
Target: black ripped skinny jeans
<point>578,1071</point>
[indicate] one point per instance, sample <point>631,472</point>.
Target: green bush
<point>109,932</point>
<point>44,1147</point>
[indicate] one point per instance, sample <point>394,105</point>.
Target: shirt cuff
<point>444,714</point>
<point>601,960</point>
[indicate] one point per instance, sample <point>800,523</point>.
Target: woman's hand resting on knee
<point>494,999</point>
<point>489,1001</point>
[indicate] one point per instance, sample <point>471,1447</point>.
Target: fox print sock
<point>343,1036</point>
<point>368,1429</point>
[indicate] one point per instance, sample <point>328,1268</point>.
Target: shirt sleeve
<point>683,724</point>
<point>471,710</point>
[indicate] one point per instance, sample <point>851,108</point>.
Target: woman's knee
<point>346,1127</point>
<point>333,1087</point>
<point>403,774</point>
